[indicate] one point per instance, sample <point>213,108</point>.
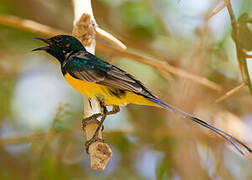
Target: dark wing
<point>88,67</point>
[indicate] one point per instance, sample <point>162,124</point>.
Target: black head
<point>61,46</point>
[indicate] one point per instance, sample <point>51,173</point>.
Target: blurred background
<point>40,114</point>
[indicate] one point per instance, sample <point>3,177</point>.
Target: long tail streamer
<point>202,123</point>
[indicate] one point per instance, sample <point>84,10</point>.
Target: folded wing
<point>87,67</point>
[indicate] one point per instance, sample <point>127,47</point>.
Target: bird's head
<point>61,46</point>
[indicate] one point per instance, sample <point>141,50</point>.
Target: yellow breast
<point>94,90</point>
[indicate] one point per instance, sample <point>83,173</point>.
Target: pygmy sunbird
<point>108,84</point>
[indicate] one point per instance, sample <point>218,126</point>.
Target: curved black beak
<point>45,48</point>
<point>47,41</point>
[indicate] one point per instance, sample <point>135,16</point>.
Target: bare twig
<point>202,135</point>
<point>159,65</point>
<point>84,30</point>
<point>110,38</point>
<point>36,27</point>
<point>155,64</point>
<point>29,25</point>
<point>216,11</point>
<point>23,139</point>
<point>165,75</point>
<point>240,54</point>
<point>230,93</point>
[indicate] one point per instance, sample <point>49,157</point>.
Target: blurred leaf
<point>166,143</point>
<point>244,32</point>
<point>7,86</point>
<point>120,141</point>
<point>6,7</point>
<point>58,125</point>
<point>163,171</point>
<point>49,167</point>
<point>62,156</point>
<point>52,170</point>
<point>17,41</point>
<point>140,19</point>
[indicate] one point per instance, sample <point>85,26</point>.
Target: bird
<point>110,85</point>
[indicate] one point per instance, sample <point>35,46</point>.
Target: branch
<point>240,54</point>
<point>29,25</point>
<point>48,32</point>
<point>164,66</point>
<point>23,139</point>
<point>205,136</point>
<point>230,93</point>
<point>216,11</point>
<point>108,37</point>
<point>84,30</point>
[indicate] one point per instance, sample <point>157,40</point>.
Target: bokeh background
<point>40,114</point>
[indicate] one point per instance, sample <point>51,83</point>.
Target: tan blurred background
<point>40,114</point>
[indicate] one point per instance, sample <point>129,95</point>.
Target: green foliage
<point>58,153</point>
<point>244,40</point>
<point>140,19</point>
<point>163,171</point>
<point>120,141</point>
<point>7,7</point>
<point>7,86</point>
<point>245,32</point>
<point>16,40</point>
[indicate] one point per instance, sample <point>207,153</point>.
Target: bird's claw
<point>92,140</point>
<point>85,121</point>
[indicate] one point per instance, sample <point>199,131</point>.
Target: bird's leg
<point>93,117</point>
<point>115,110</point>
<point>104,114</point>
<point>95,136</point>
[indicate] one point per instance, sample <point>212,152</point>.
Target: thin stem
<point>216,11</point>
<point>48,32</point>
<point>159,65</point>
<point>240,54</point>
<point>230,93</point>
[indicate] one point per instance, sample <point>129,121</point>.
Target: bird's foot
<point>94,117</point>
<point>85,121</point>
<point>95,138</point>
<point>115,110</point>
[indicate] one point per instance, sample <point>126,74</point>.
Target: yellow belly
<point>94,90</point>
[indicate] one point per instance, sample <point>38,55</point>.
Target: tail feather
<point>202,123</point>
